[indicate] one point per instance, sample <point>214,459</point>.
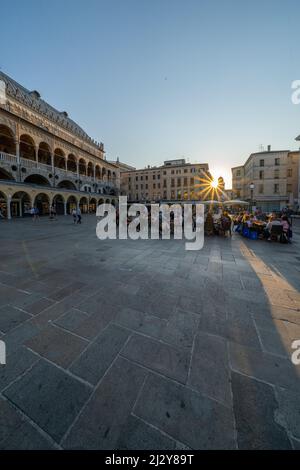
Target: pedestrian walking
<point>36,213</point>
<point>54,212</point>
<point>74,215</point>
<point>78,215</point>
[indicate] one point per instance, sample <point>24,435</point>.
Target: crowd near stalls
<point>227,218</point>
<point>223,219</point>
<point>276,226</point>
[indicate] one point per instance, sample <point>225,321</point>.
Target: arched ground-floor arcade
<point>17,199</point>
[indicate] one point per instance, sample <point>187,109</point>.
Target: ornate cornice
<point>33,101</point>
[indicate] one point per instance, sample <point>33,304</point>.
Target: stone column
<point>8,207</point>
<point>52,162</point>
<point>65,207</point>
<point>36,149</point>
<point>17,151</point>
<point>20,207</point>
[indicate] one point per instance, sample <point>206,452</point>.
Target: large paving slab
<point>101,423</point>
<point>190,417</point>
<point>158,356</point>
<point>142,345</point>
<point>17,433</point>
<point>255,409</point>
<point>49,397</point>
<point>98,356</point>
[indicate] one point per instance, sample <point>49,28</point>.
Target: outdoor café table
<point>259,226</point>
<point>259,223</point>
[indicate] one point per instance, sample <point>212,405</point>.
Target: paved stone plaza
<point>143,345</point>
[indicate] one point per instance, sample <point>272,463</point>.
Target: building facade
<point>268,180</point>
<point>46,158</point>
<point>238,177</point>
<point>175,180</point>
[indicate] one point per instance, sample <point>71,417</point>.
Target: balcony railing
<point>32,164</point>
<point>36,165</point>
<point>7,158</point>
<point>65,173</point>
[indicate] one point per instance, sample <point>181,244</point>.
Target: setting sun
<point>214,184</point>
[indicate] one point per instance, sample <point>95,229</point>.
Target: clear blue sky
<point>209,80</point>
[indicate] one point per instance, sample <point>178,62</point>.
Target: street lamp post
<point>251,191</point>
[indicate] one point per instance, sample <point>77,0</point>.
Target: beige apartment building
<point>174,180</point>
<point>238,182</point>
<point>269,180</point>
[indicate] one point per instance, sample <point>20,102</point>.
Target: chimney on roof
<point>269,148</point>
<point>36,94</point>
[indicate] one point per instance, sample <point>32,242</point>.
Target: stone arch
<point>108,175</point>
<point>93,205</point>
<point>103,172</point>
<point>107,201</point>
<point>44,153</point>
<point>66,184</point>
<point>21,203</point>
<point>98,172</point>
<point>72,163</point>
<point>90,169</point>
<point>71,204</point>
<point>86,188</point>
<point>59,204</point>
<point>42,202</point>
<point>83,204</point>
<point>7,140</point>
<point>112,192</point>
<point>27,147</point>
<point>3,195</point>
<point>3,204</point>
<point>82,166</point>
<point>37,179</point>
<point>6,175</point>
<point>100,201</point>
<point>59,159</point>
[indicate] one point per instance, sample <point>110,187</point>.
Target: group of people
<point>264,226</point>
<point>257,225</point>
<point>218,223</point>
<point>76,214</point>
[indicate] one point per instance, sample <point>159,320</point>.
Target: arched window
<point>59,159</point>
<point>7,140</point>
<point>44,154</point>
<point>27,147</point>
<point>71,163</point>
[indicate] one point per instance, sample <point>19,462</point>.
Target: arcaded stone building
<point>46,158</point>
